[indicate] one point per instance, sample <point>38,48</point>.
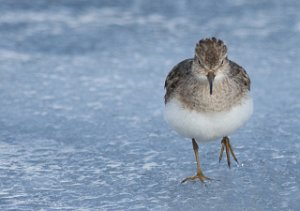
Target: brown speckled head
<point>210,53</point>
<point>205,89</point>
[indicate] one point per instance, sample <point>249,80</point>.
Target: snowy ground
<point>81,89</point>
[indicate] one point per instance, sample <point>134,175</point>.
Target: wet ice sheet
<point>81,89</point>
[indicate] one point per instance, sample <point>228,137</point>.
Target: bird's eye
<point>199,62</point>
<point>222,62</point>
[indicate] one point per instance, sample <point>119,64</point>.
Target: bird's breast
<point>206,126</point>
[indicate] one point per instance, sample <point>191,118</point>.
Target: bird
<point>208,98</point>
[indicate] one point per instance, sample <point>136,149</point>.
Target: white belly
<point>206,127</point>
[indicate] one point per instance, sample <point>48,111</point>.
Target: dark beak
<point>210,78</point>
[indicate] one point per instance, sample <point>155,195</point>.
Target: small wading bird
<point>207,98</point>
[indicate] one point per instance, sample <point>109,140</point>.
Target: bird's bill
<point>210,77</point>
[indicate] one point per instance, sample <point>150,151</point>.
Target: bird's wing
<point>240,74</point>
<point>176,75</point>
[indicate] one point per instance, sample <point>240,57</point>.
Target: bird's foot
<point>226,145</point>
<point>199,176</point>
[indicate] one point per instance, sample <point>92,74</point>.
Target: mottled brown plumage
<point>210,52</point>
<point>184,81</point>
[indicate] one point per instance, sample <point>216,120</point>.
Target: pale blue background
<point>81,99</point>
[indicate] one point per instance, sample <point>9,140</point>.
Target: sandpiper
<point>208,98</point>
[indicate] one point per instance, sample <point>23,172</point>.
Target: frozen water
<point>81,89</point>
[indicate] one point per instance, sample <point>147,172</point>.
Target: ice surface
<point>81,89</point>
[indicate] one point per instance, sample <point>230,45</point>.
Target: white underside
<point>206,127</point>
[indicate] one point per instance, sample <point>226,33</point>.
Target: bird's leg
<point>199,174</point>
<point>226,145</point>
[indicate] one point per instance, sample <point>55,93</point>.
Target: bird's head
<point>210,59</point>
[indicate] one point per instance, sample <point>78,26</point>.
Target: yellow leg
<point>226,145</point>
<point>199,174</point>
